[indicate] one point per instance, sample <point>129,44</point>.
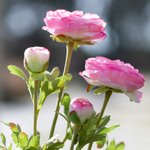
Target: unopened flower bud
<point>80,110</point>
<point>36,59</point>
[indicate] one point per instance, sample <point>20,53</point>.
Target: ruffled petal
<point>135,96</point>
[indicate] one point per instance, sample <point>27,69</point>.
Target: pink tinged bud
<point>36,59</point>
<point>80,110</point>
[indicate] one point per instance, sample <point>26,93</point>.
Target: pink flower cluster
<point>88,27</point>
<point>116,74</point>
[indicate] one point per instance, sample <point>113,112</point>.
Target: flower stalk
<point>75,133</point>
<point>69,49</point>
<point>107,97</point>
<point>35,107</point>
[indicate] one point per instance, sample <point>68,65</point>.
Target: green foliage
<point>18,72</point>
<point>113,146</point>
<point>23,140</point>
<point>49,87</point>
<point>66,102</point>
<point>89,87</point>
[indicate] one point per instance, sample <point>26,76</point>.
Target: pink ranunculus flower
<point>115,74</point>
<point>82,107</point>
<point>75,25</point>
<point>36,59</point>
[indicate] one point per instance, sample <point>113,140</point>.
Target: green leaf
<point>115,90</point>
<point>105,120</point>
<point>23,140</point>
<point>10,147</point>
<point>66,102</point>
<point>120,146</point>
<point>5,123</point>
<point>34,142</point>
<point>3,138</point>
<point>2,146</point>
<point>15,138</point>
<point>18,72</point>
<point>100,91</point>
<point>112,145</point>
<point>14,128</point>
<point>94,137</point>
<point>107,130</point>
<point>82,138</point>
<point>55,146</point>
<point>44,147</point>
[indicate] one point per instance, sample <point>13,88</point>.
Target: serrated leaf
<point>66,102</point>
<point>34,142</point>
<point>3,138</point>
<point>107,130</point>
<point>55,146</point>
<point>23,140</point>
<point>100,91</point>
<point>18,72</point>
<point>15,138</point>
<point>10,147</point>
<point>94,137</point>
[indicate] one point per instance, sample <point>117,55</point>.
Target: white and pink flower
<point>36,59</point>
<point>100,71</point>
<point>82,107</point>
<point>76,25</point>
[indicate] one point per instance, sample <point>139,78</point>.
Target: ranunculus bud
<point>36,59</point>
<point>80,110</point>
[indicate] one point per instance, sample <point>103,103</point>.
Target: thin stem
<point>35,107</point>
<point>107,96</point>
<point>75,133</point>
<point>69,48</point>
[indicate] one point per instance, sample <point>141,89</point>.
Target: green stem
<point>75,133</point>
<point>107,96</point>
<point>35,107</point>
<point>69,48</point>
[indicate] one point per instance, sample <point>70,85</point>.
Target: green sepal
<point>79,42</point>
<point>3,139</point>
<point>44,147</point>
<point>115,90</point>
<point>100,91</point>
<point>66,102</point>
<point>61,38</point>
<point>18,72</point>
<point>89,87</point>
<point>74,118</point>
<point>76,47</point>
<point>37,76</point>
<point>101,143</point>
<point>23,140</point>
